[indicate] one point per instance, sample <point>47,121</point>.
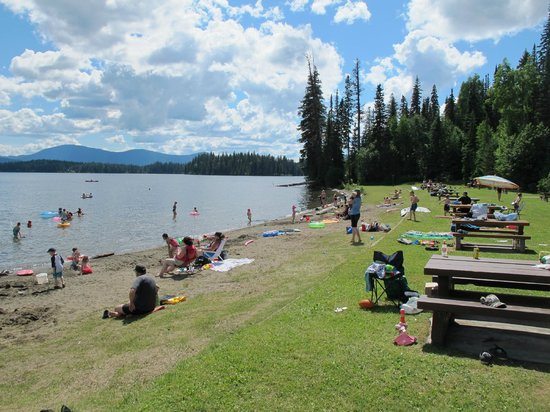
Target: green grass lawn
<point>285,348</point>
<point>307,357</point>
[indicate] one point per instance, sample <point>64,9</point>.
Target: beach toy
<point>271,233</point>
<point>194,213</point>
<point>87,270</point>
<point>366,304</point>
<point>47,214</point>
<point>316,225</point>
<point>63,225</point>
<point>25,272</point>
<point>349,230</point>
<point>248,242</point>
<point>41,278</point>
<point>329,221</point>
<point>57,219</point>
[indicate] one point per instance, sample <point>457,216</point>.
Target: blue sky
<point>183,76</point>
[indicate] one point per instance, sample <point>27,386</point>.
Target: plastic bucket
<point>41,278</point>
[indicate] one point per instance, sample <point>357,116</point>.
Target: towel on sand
<point>228,264</point>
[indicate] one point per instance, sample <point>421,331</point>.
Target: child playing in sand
<point>76,258</point>
<point>85,268</point>
<point>57,268</point>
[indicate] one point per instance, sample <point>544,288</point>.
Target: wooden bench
<point>445,309</point>
<point>518,240</point>
<point>499,284</point>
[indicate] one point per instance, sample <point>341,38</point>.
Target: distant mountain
<point>74,153</point>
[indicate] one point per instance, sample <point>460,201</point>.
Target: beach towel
<point>405,210</point>
<point>228,264</point>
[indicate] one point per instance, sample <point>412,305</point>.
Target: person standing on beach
<point>57,268</point>
<point>355,214</point>
<point>174,210</point>
<point>293,213</point>
<point>414,205</point>
<point>323,198</point>
<point>17,231</point>
<point>249,216</point>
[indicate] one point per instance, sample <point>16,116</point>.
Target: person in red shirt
<point>172,244</point>
<point>184,257</point>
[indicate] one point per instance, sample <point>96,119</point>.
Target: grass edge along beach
<point>266,337</point>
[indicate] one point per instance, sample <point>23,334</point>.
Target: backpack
<point>201,261</point>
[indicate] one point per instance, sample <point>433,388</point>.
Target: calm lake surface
<point>130,212</point>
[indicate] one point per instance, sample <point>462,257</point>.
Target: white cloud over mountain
<point>159,71</point>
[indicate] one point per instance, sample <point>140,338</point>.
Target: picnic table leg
<point>521,245</point>
<point>440,324</point>
<point>458,242</point>
<point>444,285</point>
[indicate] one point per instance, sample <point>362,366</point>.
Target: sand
<point>29,311</point>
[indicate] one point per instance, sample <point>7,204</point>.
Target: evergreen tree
<point>416,98</point>
<point>543,106</point>
<point>346,120</point>
<point>450,108</point>
<point>486,147</point>
<point>403,108</point>
<point>312,126</point>
<point>434,104</point>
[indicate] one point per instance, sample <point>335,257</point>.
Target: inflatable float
<point>316,225</point>
<point>248,242</point>
<point>46,214</point>
<point>25,272</point>
<point>194,213</point>
<point>63,225</point>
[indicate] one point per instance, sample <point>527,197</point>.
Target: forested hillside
<point>247,164</point>
<point>497,124</point>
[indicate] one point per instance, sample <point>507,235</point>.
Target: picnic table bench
<point>492,229</point>
<point>456,207</point>
<point>449,303</point>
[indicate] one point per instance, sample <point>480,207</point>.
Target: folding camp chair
<point>388,285</point>
<point>217,254</point>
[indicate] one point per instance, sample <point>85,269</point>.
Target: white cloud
<point>320,6</point>
<point>435,61</point>
<point>121,67</point>
<point>12,150</point>
<point>117,139</point>
<point>474,20</point>
<point>352,11</point>
<point>297,5</point>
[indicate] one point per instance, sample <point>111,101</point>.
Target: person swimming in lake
<point>174,210</point>
<point>79,212</point>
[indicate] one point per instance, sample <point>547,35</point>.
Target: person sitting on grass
<point>143,296</point>
<point>183,258</point>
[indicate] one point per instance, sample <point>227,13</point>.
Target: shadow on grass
<point>455,353</point>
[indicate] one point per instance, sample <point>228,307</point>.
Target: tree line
<point>492,127</point>
<point>246,164</point>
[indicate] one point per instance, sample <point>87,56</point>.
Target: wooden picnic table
<point>493,223</point>
<point>492,229</point>
<point>491,208</point>
<point>448,303</point>
<point>502,271</point>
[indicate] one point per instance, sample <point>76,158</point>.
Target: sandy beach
<point>29,311</point>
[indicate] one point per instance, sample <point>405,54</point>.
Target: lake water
<point>130,212</point>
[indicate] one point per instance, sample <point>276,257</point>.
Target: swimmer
<point>17,231</point>
<point>29,224</point>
